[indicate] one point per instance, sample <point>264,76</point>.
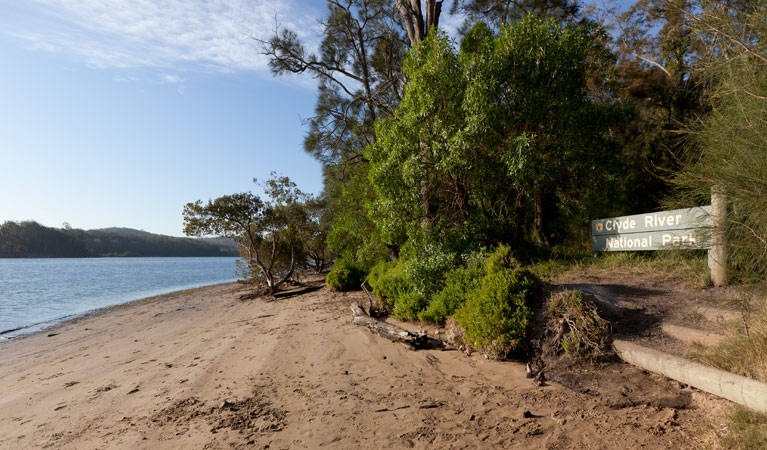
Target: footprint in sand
<point>106,388</point>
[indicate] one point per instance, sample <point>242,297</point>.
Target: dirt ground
<point>206,370</point>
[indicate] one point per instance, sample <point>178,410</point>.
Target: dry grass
<point>687,267</point>
<point>576,325</point>
<point>744,348</point>
<point>740,429</point>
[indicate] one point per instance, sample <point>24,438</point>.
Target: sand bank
<point>205,370</point>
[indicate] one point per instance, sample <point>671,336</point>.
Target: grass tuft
<point>744,430</point>
<point>576,323</point>
<point>743,350</point>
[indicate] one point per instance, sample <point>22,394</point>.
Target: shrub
<point>425,264</point>
<point>409,304</point>
<point>458,284</point>
<point>345,276</point>
<point>496,315</point>
<point>388,283</point>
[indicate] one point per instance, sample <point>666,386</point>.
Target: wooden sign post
<point>717,256</point>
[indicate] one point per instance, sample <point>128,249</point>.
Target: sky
<point>119,112</point>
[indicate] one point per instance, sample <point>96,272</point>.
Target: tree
<point>269,233</point>
<point>316,233</point>
<point>497,13</point>
<point>658,74</point>
<point>359,69</point>
<point>729,147</point>
<point>484,135</point>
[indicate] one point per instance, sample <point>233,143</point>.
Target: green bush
<point>408,305</point>
<point>345,276</point>
<point>424,265</point>
<point>388,283</point>
<point>393,290</point>
<point>458,284</point>
<point>496,315</point>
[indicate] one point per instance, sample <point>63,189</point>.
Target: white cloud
<point>171,79</point>
<point>210,35</point>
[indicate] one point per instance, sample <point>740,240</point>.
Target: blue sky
<point>117,113</point>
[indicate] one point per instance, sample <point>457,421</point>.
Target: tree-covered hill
<point>29,239</point>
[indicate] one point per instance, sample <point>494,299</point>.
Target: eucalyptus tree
<point>357,66</point>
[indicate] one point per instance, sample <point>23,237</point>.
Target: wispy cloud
<point>210,35</point>
<point>171,79</point>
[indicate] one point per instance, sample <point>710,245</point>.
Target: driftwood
<point>391,332</point>
<point>297,291</point>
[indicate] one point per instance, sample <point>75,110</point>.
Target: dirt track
<point>207,370</point>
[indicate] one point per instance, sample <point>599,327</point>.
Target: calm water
<point>38,291</point>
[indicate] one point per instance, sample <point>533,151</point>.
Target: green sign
<point>678,229</point>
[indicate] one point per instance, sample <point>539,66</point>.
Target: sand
<point>206,370</point>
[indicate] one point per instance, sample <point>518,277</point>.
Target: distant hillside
<point>31,240</point>
<point>121,230</point>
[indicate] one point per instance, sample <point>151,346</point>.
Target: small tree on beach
<point>270,234</point>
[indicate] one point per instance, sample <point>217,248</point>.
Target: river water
<point>41,291</point>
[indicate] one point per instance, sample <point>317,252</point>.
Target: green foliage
<point>316,231</point>
<point>497,313</point>
<point>584,334</point>
<point>409,305</point>
<point>388,282</point>
<point>396,290</point>
<point>358,65</point>
<point>271,235</point>
<point>352,234</point>
<point>501,12</point>
<point>345,276</point>
<point>459,283</point>
<point>425,265</point>
<point>733,138</point>
<point>481,135</point>
<point>658,75</point>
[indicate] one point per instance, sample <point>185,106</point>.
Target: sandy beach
<point>206,370</point>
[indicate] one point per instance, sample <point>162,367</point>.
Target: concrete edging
<point>739,389</point>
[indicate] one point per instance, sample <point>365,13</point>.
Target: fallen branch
<point>391,332</point>
<point>294,292</point>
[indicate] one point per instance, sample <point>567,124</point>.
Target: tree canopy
<point>272,234</point>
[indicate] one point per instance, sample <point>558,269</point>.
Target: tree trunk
<point>539,224</point>
<point>393,251</point>
<point>416,26</point>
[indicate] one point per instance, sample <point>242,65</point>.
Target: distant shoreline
<point>29,239</point>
